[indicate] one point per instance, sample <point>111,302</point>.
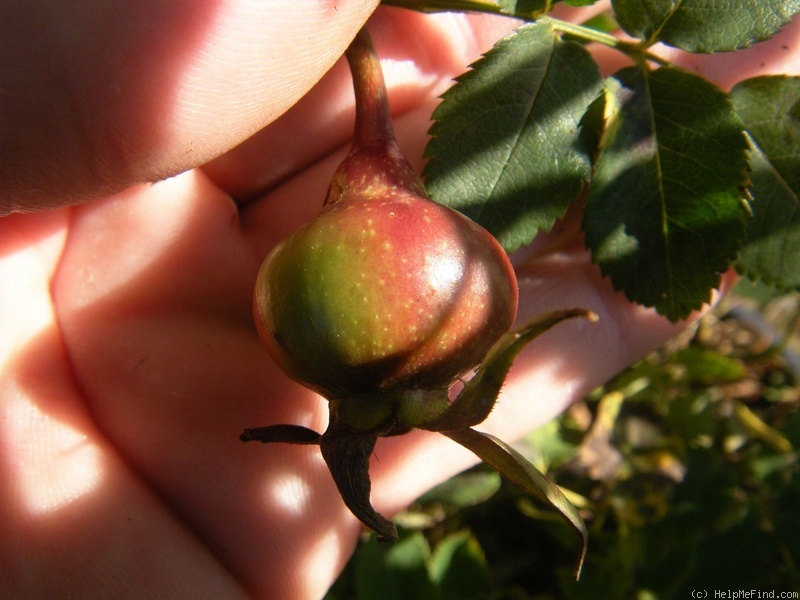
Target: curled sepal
<point>283,434</point>
<point>514,467</point>
<point>347,456</point>
<point>479,395</point>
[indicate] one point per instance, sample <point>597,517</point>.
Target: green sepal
<point>514,467</point>
<point>479,395</point>
<point>281,434</point>
<point>347,456</point>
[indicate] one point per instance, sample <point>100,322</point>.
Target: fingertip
<point>151,89</point>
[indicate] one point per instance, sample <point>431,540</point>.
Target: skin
<point>129,362</point>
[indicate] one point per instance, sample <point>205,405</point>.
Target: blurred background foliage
<point>684,467</point>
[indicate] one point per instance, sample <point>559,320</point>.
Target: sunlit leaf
<point>665,214</point>
<point>459,568</point>
<point>770,109</point>
<point>395,571</point>
<point>522,7</point>
<point>705,25</point>
<point>548,446</point>
<point>757,428</point>
<point>702,364</point>
<point>466,489</point>
<point>603,22</point>
<point>506,148</point>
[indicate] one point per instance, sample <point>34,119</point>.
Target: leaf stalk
<point>639,52</point>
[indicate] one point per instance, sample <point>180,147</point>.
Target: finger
<point>153,297</point>
<point>75,520</point>
<point>96,99</point>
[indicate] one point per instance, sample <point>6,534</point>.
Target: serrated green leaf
<point>770,110</point>
<point>459,568</point>
<point>506,148</point>
<point>665,214</point>
<point>772,252</point>
<point>705,25</point>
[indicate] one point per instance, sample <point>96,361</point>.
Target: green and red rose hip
<point>382,302</point>
<point>384,293</point>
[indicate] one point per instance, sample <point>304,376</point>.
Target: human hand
<point>130,363</point>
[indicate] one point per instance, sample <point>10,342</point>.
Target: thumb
<point>105,95</point>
